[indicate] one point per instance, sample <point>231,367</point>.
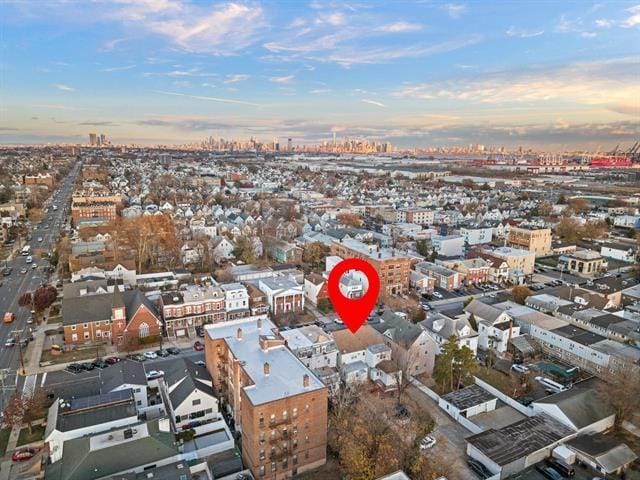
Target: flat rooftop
<point>286,371</point>
<point>519,439</point>
<point>468,397</point>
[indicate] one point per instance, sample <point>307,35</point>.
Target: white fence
<point>528,411</point>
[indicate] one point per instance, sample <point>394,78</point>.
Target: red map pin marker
<point>353,311</point>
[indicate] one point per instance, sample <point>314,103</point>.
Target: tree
<point>622,390</point>
<point>578,205</point>
<point>544,209</point>
<point>453,365</point>
<point>569,229</point>
<point>520,294</point>
<point>34,407</point>
<point>314,254</point>
<point>562,200</point>
<point>25,300</point>
<point>324,305</point>
<point>14,411</point>
<point>44,297</point>
<point>422,247</point>
<point>404,360</point>
<point>350,219</point>
<point>244,250</point>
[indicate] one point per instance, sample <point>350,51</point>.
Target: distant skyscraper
<point>103,139</point>
<point>289,145</point>
<point>93,139</point>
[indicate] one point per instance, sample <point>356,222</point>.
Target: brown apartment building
<point>536,240</point>
<point>278,404</point>
<point>95,204</point>
<point>393,267</point>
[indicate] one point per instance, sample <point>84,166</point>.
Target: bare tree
<point>622,391</point>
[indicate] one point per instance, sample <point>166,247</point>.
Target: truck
<point>9,317</point>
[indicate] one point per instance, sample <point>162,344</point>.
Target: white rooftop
<point>304,337</point>
<point>286,371</point>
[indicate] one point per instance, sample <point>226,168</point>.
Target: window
<point>195,402</point>
<point>85,325</point>
<point>144,330</point>
<point>262,470</point>
<point>273,466</point>
<point>262,455</point>
<point>86,335</point>
<point>295,412</point>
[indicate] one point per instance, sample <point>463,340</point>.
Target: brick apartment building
<point>117,317</point>
<point>40,179</point>
<point>190,307</point>
<point>392,267</point>
<point>95,204</point>
<point>536,240</point>
<point>278,404</point>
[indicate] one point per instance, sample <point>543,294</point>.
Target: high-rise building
<point>103,139</point>
<point>289,146</point>
<point>93,139</point>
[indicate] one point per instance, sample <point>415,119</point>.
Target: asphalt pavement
<point>44,236</point>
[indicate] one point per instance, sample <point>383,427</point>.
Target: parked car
<point>198,345</point>
<point>427,442</point>
<point>479,469</point>
<point>112,360</point>
<point>74,368</point>
<point>162,353</point>
<point>549,472</point>
<point>437,295</point>
<point>154,374</point>
<point>88,366</point>
<point>137,357</point>
<point>11,342</point>
<point>520,368</point>
<point>173,350</point>
<point>23,454</point>
<point>200,363</point>
<point>100,364</point>
<point>150,355</point>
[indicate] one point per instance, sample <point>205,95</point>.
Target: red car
<point>112,360</point>
<point>198,346</point>
<point>23,454</point>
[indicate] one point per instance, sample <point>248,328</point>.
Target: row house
<point>184,310</point>
<point>472,270</point>
<point>444,277</point>
<point>257,300</point>
<point>284,252</point>
<point>236,300</point>
<point>495,326</point>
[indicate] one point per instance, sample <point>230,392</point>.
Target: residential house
<point>184,310</point>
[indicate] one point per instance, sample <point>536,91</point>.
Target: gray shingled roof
<point>402,331</point>
<point>582,406</point>
<point>189,377</point>
<point>92,308</point>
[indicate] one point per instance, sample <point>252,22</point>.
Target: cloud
<point>283,80</point>
<point>400,27</point>
<point>218,29</point>
<point>210,99</point>
<point>373,102</point>
<point>320,91</point>
<point>64,88</point>
<point>239,77</point>
<point>335,19</point>
<point>588,83</point>
<point>118,69</point>
<point>105,123</point>
<point>634,18</point>
<point>604,23</point>
<point>516,32</point>
<point>455,10</point>
<point>112,44</point>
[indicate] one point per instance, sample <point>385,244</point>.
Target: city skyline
<point>416,74</point>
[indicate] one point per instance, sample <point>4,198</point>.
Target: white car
<point>154,374</point>
<point>151,355</point>
<point>427,442</point>
<point>520,368</point>
<point>437,295</point>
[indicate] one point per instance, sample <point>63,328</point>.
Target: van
<point>550,385</point>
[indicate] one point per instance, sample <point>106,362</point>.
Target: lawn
<point>75,355</point>
<point>4,439</point>
<point>36,435</point>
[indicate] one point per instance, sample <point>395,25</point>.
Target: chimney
<point>239,334</point>
<point>259,323</point>
<point>266,369</point>
<point>305,380</point>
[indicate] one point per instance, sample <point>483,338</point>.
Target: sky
<point>539,74</point>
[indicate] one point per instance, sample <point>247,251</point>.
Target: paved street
<point>17,283</point>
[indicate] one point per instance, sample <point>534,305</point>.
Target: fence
<point>528,411</point>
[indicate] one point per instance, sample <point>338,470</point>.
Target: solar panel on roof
<point>104,399</point>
